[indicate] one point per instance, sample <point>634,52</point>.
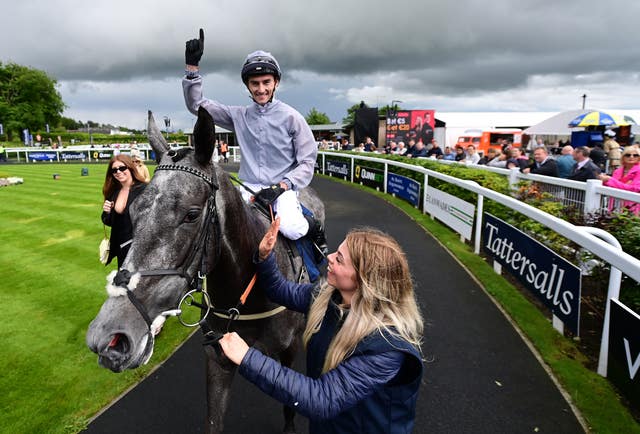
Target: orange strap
<point>247,291</point>
<point>245,294</point>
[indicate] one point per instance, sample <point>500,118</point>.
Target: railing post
<point>353,159</point>
<point>615,277</point>
<point>386,171</point>
<point>592,197</point>
<point>479,213</point>
<point>513,178</point>
<point>424,194</point>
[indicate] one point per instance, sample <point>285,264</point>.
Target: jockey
<point>278,149</point>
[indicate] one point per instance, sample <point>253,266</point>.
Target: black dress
<point>121,228</point>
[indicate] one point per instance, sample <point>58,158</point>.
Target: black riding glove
<point>267,196</point>
<point>194,49</point>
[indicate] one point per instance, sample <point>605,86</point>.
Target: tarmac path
<point>480,376</point>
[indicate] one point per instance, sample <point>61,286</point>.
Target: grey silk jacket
<point>275,139</point>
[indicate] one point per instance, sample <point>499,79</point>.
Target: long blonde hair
<point>384,297</point>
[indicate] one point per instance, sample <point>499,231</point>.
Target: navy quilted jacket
<point>372,391</point>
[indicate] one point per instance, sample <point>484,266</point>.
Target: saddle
<point>304,247</point>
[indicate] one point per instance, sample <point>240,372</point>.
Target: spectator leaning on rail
<point>626,177</point>
<point>278,149</point>
<point>488,156</point>
<point>418,151</point>
<point>584,168</point>
<point>542,164</point>
<point>566,162</point>
<point>449,155</point>
<point>362,339</point>
<point>472,156</point>
<point>500,160</point>
<point>435,151</point>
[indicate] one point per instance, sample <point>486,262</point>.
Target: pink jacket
<point>629,181</point>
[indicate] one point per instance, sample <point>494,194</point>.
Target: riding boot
<point>317,237</point>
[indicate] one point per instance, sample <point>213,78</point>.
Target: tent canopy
<point>555,125</point>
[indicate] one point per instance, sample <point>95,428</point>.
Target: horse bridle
<point>195,283</point>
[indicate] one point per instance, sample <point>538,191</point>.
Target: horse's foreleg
<point>219,375</point>
<point>286,358</point>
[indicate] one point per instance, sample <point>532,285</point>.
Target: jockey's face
<point>262,88</point>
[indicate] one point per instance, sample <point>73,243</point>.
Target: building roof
<point>336,127</point>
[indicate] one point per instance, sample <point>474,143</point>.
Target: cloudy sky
<point>116,59</point>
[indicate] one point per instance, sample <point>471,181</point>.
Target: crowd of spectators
<point>615,166</point>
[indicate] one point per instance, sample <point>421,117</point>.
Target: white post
<point>386,172</point>
<point>424,194</point>
<point>615,277</point>
<point>513,177</point>
<point>479,212</point>
<point>592,197</point>
<point>352,167</point>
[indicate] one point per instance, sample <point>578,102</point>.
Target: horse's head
<point>172,221</point>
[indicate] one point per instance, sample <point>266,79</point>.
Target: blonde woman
<point>142,169</point>
<point>362,337</point>
<point>626,177</point>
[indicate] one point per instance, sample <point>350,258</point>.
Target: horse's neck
<point>240,234</point>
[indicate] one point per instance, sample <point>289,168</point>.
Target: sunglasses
<point>119,169</point>
<point>632,155</point>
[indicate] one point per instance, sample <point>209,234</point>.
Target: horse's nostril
<point>114,341</point>
<point>118,344</point>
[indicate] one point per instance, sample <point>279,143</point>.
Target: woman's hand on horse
<point>269,240</point>
<point>234,347</point>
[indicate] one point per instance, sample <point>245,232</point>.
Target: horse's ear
<point>204,136</point>
<point>157,142</point>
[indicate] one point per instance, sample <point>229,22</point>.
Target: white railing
<point>594,240</point>
<point>625,262</point>
<point>89,153</point>
<point>588,197</point>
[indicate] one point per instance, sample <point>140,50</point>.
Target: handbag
<point>104,247</point>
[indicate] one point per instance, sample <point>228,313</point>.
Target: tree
<point>350,119</point>
<point>28,99</point>
<point>314,117</point>
<point>384,110</point>
<point>69,124</point>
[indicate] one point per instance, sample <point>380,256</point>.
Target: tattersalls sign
<point>551,278</point>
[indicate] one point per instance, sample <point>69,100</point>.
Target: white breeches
<point>293,225</point>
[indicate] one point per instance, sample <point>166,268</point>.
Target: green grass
<point>593,395</point>
<point>51,287</point>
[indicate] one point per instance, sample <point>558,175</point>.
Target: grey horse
<point>191,221</point>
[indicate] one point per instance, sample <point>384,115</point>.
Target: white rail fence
<point>596,241</point>
<point>588,197</point>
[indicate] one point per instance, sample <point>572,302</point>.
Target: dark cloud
<point>433,49</point>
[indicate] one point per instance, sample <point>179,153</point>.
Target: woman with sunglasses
<point>122,184</point>
<point>627,176</point>
<point>362,338</point>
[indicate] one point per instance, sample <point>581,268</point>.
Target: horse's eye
<point>192,215</point>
